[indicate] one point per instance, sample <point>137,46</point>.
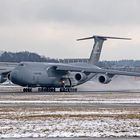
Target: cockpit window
<point>21,64</point>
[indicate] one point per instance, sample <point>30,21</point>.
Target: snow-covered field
<point>77,121</point>
<point>46,122</point>
<point>89,115</point>
<point>70,127</point>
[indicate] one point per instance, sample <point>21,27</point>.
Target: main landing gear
<point>46,89</point>
<point>51,89</point>
<point>68,89</point>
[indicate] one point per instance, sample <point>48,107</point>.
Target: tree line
<point>34,57</point>
<point>23,56</point>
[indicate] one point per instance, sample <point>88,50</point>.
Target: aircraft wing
<point>5,67</point>
<point>96,70</point>
<point>4,72</point>
<point>117,72</point>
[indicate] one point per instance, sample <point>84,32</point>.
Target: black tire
<point>24,90</point>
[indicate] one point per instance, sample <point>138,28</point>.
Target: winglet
<point>103,38</point>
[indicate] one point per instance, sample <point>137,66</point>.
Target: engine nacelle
<point>80,76</point>
<point>2,79</point>
<point>104,79</point>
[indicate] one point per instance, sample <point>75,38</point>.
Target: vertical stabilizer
<point>96,51</point>
<point>97,47</point>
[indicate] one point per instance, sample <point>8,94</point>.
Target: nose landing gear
<point>27,89</point>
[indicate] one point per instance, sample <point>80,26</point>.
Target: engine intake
<point>80,76</point>
<point>104,79</point>
<point>2,79</point>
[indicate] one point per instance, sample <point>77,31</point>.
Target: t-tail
<point>97,47</point>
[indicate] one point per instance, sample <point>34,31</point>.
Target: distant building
<point>73,60</point>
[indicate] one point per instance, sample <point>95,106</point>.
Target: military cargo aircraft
<point>49,76</point>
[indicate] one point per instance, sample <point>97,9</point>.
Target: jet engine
<point>105,79</point>
<point>2,78</point>
<point>80,76</point>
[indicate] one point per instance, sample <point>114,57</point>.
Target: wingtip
<point>86,38</point>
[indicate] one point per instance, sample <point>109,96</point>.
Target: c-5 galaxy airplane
<point>49,76</point>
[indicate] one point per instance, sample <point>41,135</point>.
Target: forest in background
<point>34,57</point>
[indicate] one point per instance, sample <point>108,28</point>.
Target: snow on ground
<point>21,114</point>
<point>70,127</point>
<point>55,123</point>
<point>73,122</point>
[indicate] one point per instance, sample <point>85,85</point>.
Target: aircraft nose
<point>13,76</point>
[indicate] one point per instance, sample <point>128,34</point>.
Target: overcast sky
<point>51,27</point>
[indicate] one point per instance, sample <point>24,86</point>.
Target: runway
<point>82,114</point>
<point>76,139</point>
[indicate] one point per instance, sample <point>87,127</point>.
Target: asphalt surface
<point>67,97</point>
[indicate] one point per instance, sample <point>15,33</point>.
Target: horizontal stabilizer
<point>102,37</point>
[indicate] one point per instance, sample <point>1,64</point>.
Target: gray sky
<point>51,27</point>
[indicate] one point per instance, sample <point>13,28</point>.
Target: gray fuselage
<point>35,74</point>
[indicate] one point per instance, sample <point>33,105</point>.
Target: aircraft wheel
<point>61,89</point>
<point>38,89</point>
<point>41,89</point>
<point>24,90</point>
<point>68,89</point>
<point>27,89</point>
<point>51,89</point>
<point>46,89</point>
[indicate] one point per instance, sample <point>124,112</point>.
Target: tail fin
<point>97,47</point>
